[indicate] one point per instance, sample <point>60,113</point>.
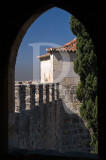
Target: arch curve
<point>12,33</point>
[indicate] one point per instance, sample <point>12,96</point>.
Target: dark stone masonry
<point>47,117</point>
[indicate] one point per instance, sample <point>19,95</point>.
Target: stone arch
<point>13,55</point>
<point>90,20</point>
<point>11,73</point>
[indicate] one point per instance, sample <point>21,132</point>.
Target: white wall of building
<point>59,67</point>
<point>47,69</point>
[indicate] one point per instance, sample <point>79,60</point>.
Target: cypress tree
<point>86,67</point>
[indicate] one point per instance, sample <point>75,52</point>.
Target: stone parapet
<point>47,117</point>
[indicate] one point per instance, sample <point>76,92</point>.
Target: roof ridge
<point>70,42</point>
<point>70,46</point>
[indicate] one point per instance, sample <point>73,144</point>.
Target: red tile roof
<point>70,46</point>
<point>44,56</point>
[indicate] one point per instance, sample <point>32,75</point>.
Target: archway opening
<point>65,143</point>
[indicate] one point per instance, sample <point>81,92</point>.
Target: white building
<point>57,64</point>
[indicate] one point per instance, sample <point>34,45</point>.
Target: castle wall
<point>47,118</point>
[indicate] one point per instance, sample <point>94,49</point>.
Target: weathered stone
<point>42,121</point>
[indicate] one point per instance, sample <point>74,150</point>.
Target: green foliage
<point>86,67</point>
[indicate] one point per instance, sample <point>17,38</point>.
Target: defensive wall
<point>47,117</point>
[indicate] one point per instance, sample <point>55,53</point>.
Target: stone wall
<point>63,68</point>
<point>47,117</point>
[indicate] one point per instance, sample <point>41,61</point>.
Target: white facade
<point>58,67</point>
<point>47,69</point>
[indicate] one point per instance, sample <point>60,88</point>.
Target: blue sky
<point>51,27</point>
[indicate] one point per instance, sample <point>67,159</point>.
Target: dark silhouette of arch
<point>15,20</point>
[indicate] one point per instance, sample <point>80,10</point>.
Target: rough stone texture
<point>47,117</point>
<point>63,69</point>
<point>18,23</point>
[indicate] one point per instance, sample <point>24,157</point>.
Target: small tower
<point>57,64</point>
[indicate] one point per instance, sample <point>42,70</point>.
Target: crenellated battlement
<point>47,117</point>
<point>29,95</point>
